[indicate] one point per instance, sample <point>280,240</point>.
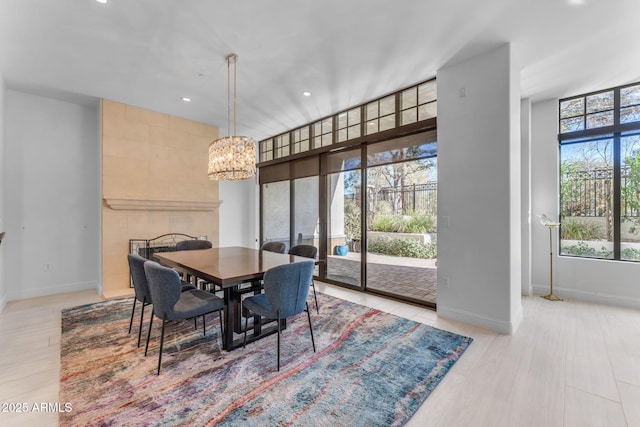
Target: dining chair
<point>170,304</point>
<point>192,245</point>
<point>278,247</point>
<point>286,288</point>
<point>307,251</point>
<point>141,288</point>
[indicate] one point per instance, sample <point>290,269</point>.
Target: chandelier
<point>232,157</point>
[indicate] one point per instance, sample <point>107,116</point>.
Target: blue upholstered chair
<point>278,247</point>
<point>193,245</point>
<point>286,288</point>
<point>169,303</point>
<point>141,287</point>
<point>307,251</point>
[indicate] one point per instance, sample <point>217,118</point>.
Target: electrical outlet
<point>445,281</point>
<point>47,267</point>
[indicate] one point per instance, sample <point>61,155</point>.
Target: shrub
<point>581,230</point>
<point>383,223</point>
<point>402,247</point>
<point>631,253</point>
<point>582,249</point>
<point>415,223</point>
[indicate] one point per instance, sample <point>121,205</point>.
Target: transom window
<point>412,106</point>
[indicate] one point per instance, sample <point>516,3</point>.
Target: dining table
<point>229,268</point>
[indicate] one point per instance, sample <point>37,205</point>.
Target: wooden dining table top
<point>226,266</point>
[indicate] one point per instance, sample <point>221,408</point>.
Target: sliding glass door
<point>401,219</point>
<point>370,210</point>
<point>276,212</point>
<point>343,208</point>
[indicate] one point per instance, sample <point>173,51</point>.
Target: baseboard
<point>589,296</point>
<point>500,326</point>
<point>52,290</point>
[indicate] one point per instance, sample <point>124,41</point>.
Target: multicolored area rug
<point>370,369</point>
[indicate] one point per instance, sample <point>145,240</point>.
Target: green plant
<point>383,223</point>
<point>631,253</point>
<point>421,223</point>
<point>402,247</point>
<point>583,249</point>
<point>581,230</point>
<point>351,221</point>
<point>415,223</point>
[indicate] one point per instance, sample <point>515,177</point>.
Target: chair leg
<point>195,323</point>
<point>313,285</point>
<point>146,347</point>
<point>204,327</point>
<point>132,311</point>
<point>313,343</point>
<point>141,317</point>
<point>164,321</point>
<point>279,339</point>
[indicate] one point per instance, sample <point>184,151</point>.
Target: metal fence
<point>589,193</point>
<point>418,198</point>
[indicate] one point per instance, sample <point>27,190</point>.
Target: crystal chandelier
<point>232,158</point>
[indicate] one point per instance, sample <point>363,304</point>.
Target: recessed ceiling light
<point>185,99</point>
<point>306,93</point>
<point>102,1</point>
<point>576,2</point>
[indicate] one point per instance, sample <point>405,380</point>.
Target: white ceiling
<point>150,53</point>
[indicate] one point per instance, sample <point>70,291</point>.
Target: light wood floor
<point>569,364</point>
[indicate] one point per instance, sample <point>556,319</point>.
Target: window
<point>414,107</point>
<point>349,125</point>
<point>281,145</point>
<point>600,174</point>
<point>322,133</point>
<point>380,115</point>
<point>266,150</point>
<point>418,103</point>
<point>300,140</point>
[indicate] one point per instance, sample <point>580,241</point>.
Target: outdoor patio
<point>408,277</point>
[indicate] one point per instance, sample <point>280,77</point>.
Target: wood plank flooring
<point>569,364</point>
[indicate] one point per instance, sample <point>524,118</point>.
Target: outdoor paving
<point>409,277</point>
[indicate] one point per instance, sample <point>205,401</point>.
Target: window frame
<point>616,132</point>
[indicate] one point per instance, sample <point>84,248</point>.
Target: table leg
<point>229,319</point>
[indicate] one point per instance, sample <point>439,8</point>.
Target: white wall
<point>238,213</point>
<point>525,176</point>
<point>52,177</point>
<point>614,282</point>
<point>479,191</point>
<point>3,287</point>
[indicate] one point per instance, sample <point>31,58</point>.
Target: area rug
<point>370,369</point>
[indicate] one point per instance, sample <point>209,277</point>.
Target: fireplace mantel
<point>160,205</point>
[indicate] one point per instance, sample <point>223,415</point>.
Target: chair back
<point>278,247</point>
<point>136,267</point>
<point>286,287</point>
<point>165,288</point>
<point>307,251</point>
<point>194,244</point>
